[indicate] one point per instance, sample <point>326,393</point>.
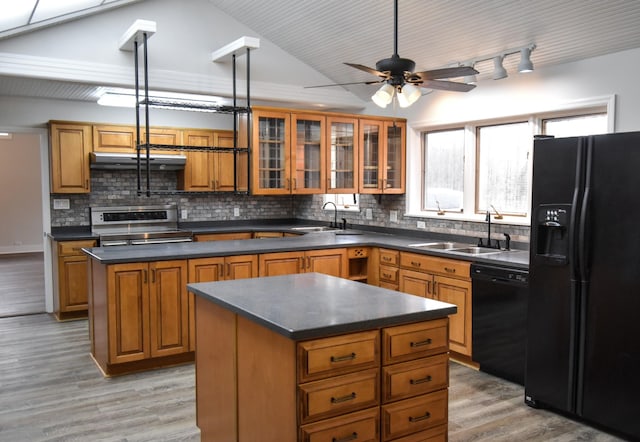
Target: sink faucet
<point>335,213</point>
<point>488,220</point>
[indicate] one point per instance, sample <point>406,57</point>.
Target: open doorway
<point>22,254</point>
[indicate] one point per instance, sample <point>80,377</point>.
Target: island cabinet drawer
<point>413,341</point>
<point>389,274</point>
<point>438,433</point>
<point>389,257</point>
<point>338,395</point>
<point>74,248</point>
<point>431,264</point>
<point>414,415</point>
<point>362,426</point>
<point>413,378</point>
<point>322,358</point>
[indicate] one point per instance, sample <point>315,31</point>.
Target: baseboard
<point>23,248</point>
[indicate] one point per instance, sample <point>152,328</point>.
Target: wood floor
<point>21,284</point>
<point>50,390</point>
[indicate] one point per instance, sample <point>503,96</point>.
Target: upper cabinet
<point>110,138</point>
<point>382,156</point>
<point>271,153</point>
<point>70,147</point>
<point>342,155</point>
<point>308,153</point>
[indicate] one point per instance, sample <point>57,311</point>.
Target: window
<point>343,201</point>
<point>503,159</point>
<point>470,168</point>
<point>443,170</point>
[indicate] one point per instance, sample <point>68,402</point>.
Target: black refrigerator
<point>583,318</point>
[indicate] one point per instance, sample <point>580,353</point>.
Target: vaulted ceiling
<point>434,33</point>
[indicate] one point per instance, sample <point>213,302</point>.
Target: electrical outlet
<point>236,211</point>
<point>422,225</point>
<point>393,216</point>
<point>368,214</point>
<point>183,213</point>
<point>61,204</point>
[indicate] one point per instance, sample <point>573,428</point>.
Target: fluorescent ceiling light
<point>120,97</point>
<point>5,136</point>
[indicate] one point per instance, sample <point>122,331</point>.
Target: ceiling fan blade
<point>344,84</point>
<point>435,74</point>
<point>369,70</point>
<point>447,85</point>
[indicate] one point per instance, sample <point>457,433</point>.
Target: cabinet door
<point>370,156</point>
<point>330,262</point>
<point>108,138</point>
<point>308,153</point>
<point>458,292</point>
<point>225,171</point>
<point>128,305</point>
<point>198,171</point>
<point>286,263</point>
<point>70,147</point>
<point>394,158</point>
<point>168,308</point>
<point>241,267</point>
<point>342,157</point>
<point>416,283</point>
<point>271,153</point>
<point>201,270</point>
<point>73,274</point>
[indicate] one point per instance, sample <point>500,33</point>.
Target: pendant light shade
<point>384,95</point>
<point>525,64</point>
<point>408,95</point>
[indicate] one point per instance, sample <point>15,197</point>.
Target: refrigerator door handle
<point>583,250</point>
<point>574,241</point>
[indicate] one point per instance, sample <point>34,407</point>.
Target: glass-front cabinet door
<point>382,156</point>
<point>342,161</point>
<point>271,144</point>
<point>308,153</point>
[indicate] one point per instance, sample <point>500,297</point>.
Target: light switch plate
<point>61,204</point>
<point>393,216</point>
<point>183,213</point>
<point>236,211</point>
<point>422,225</point>
<point>368,214</point>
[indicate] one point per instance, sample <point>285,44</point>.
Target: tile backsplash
<point>118,188</point>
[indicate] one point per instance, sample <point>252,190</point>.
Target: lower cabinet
<point>330,262</point>
<point>388,384</point>
<point>139,316</point>
<point>71,279</point>
<point>217,269</point>
<point>446,280</point>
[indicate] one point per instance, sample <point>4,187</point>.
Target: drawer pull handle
<point>449,270</point>
<point>352,436</point>
<point>386,275</point>
<point>349,357</point>
<point>415,263</point>
<point>386,258</point>
<point>425,416</point>
<point>421,343</point>
<point>420,381</point>
<point>349,397</point>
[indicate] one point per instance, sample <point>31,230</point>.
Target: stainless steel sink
<point>439,245</point>
<point>476,250</point>
<point>314,229</point>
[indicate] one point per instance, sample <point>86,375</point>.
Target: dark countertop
<point>313,305</point>
<point>319,240</point>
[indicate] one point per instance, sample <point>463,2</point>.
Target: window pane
<point>576,126</point>
<point>503,153</point>
<point>443,170</point>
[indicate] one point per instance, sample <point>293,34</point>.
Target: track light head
<point>499,72</point>
<point>525,64</point>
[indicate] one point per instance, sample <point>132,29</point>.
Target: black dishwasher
<point>499,312</point>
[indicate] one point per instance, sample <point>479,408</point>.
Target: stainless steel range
<point>137,225</point>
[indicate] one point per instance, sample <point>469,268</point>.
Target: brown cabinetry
<point>71,279</point>
<point>388,273</point>
<point>139,315</point>
<point>70,148</point>
<point>446,280</point>
<point>112,138</point>
<point>331,262</point>
<point>342,155</point>
<point>382,156</point>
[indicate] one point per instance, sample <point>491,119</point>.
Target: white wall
<point>21,194</point>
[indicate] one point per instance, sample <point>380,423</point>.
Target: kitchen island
<point>314,357</point>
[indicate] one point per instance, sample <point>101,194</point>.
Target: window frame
<point>415,155</point>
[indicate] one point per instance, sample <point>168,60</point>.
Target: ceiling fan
<point>397,75</point>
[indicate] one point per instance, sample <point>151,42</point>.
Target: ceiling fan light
<point>408,95</point>
<point>499,72</point>
<point>525,64</point>
<point>384,95</point>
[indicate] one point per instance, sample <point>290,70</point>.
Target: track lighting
<point>499,72</point>
<point>525,64</point>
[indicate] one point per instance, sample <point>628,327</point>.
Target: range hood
<point>111,160</point>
